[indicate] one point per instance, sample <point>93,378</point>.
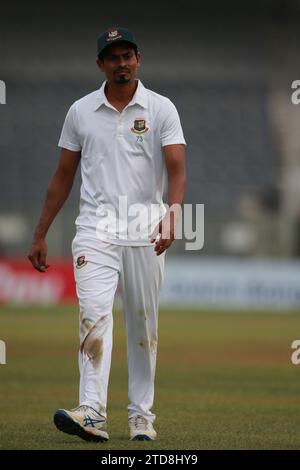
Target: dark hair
<point>102,55</point>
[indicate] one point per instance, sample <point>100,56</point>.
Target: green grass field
<point>224,381</point>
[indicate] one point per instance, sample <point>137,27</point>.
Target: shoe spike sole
<point>141,437</point>
<point>65,424</point>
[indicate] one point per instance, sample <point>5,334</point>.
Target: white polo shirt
<point>122,163</point>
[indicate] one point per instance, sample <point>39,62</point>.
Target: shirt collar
<point>139,97</point>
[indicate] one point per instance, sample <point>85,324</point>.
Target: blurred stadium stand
<point>229,72</point>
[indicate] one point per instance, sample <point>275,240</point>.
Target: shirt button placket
<point>120,126</point>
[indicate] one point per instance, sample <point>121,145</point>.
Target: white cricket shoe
<point>82,421</point>
<point>141,429</point>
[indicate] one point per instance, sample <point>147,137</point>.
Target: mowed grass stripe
<point>224,380</point>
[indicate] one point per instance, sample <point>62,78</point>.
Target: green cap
<point>112,36</point>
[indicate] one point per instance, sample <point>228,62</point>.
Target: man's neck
<point>120,93</point>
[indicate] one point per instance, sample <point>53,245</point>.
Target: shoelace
<point>140,422</point>
<point>88,409</point>
<point>81,408</point>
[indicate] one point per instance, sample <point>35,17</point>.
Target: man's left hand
<point>166,230</point>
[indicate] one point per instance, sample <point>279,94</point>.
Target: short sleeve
<point>69,138</point>
<point>171,130</point>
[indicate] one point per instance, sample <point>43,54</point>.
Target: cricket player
<point>126,138</point>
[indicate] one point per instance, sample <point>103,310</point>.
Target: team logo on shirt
<point>80,262</point>
<point>139,126</point>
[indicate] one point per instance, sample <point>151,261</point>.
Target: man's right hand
<point>37,255</point>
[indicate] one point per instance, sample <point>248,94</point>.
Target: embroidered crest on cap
<point>112,35</point>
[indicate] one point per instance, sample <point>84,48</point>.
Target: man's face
<point>119,63</point>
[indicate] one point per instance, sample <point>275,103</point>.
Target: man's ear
<point>99,62</point>
<point>139,59</point>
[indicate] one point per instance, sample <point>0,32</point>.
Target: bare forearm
<point>175,163</point>
<point>57,193</point>
<point>176,187</point>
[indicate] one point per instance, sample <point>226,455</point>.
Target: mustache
<point>122,70</point>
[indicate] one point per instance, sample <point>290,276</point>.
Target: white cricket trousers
<point>141,274</point>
